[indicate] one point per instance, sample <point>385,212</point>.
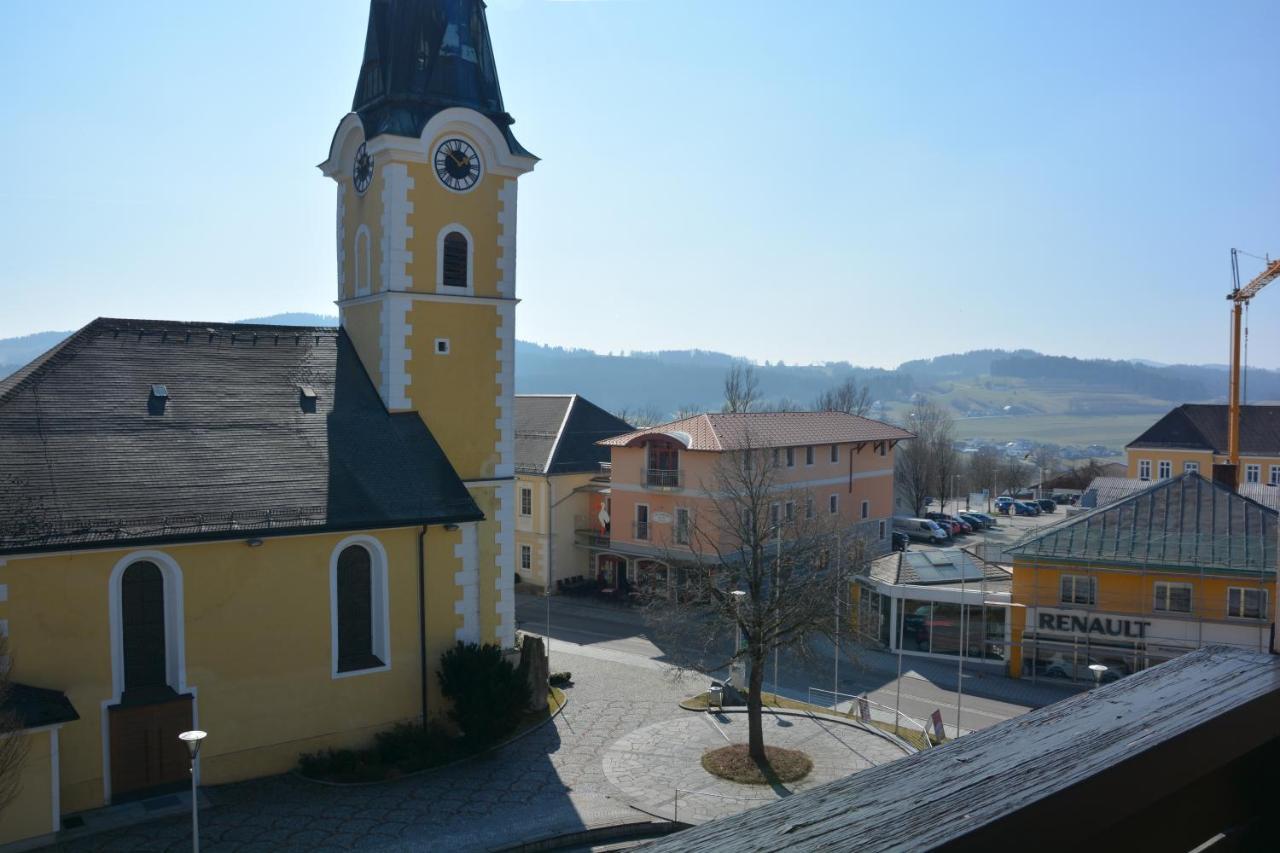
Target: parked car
<point>974,520</point>
<point>1047,505</point>
<point>988,520</point>
<point>923,529</point>
<point>958,527</point>
<point>1026,508</point>
<point>900,540</point>
<point>1003,503</point>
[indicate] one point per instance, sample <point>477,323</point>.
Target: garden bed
<point>735,763</point>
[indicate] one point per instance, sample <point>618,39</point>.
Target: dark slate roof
<point>558,434</point>
<point>36,706</point>
<point>424,56</point>
<point>89,457</point>
<point>1186,522</point>
<point>969,792</point>
<point>1204,426</point>
<point>941,566</point>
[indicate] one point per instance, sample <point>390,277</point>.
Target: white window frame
<point>1273,475</point>
<point>866,509</point>
<point>526,558</point>
<point>789,512</point>
<point>1253,473</point>
<point>470,289</point>
<point>1264,603</point>
<point>791,457</point>
<point>648,523</point>
<point>1163,597</point>
<point>380,601</point>
<point>1164,469</point>
<point>884,448</point>
<point>526,493</point>
<point>1076,582</point>
<point>1144,469</point>
<point>810,455</point>
<point>833,505</point>
<point>883,527</point>
<point>175,660</point>
<point>835,453</point>
<point>1191,467</point>
<point>808,507</point>
<point>681,532</point>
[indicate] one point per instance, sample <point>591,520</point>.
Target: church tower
<point>426,168</point>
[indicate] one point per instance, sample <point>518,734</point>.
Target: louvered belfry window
<point>455,260</point>
<point>355,610</point>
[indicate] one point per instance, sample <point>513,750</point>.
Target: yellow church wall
<point>257,648</point>
<point>30,813</point>
<point>363,322</point>
<point>492,537</point>
<point>435,207</point>
<point>456,394</point>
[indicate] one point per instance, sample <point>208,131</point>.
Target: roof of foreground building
<point>134,431</point>
<point>559,434</point>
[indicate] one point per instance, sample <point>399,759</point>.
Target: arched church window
<point>143,633</point>
<point>455,260</point>
<point>355,610</point>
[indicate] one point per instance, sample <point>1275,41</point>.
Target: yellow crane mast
<point>1239,297</point>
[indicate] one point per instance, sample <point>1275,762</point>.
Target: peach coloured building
<point>664,479</point>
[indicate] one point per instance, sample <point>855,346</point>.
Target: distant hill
<point>989,383</point>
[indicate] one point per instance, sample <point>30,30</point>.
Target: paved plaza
<point>580,771</point>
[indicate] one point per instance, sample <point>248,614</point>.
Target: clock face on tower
<point>457,165</point>
<point>362,169</point>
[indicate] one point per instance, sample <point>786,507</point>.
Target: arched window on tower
<point>143,633</point>
<point>454,263</point>
<point>363,262</point>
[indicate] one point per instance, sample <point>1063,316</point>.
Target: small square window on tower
<point>442,346</point>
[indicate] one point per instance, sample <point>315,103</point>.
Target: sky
<point>800,181</point>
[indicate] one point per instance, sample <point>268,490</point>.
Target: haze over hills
<point>981,387</point>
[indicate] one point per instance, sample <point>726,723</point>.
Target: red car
<point>957,525</point>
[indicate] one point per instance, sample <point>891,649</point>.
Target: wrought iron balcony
<point>662,478</point>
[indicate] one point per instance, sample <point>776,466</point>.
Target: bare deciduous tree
<point>741,388</point>
<point>13,746</point>
<point>924,463</point>
<point>687,410</point>
<point>984,465</point>
<point>1014,475</point>
<point>791,563</point>
<point>848,397</point>
<point>641,417</point>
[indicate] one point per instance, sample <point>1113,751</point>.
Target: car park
<point>922,529</point>
<point>974,520</point>
<point>1047,505</point>
<point>1003,503</point>
<point>1026,508</point>
<point>957,527</point>
<point>988,520</point>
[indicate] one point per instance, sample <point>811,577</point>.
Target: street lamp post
<point>1098,669</point>
<point>193,739</point>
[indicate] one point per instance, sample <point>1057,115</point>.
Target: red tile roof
<point>723,431</point>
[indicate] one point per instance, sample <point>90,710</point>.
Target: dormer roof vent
<point>307,398</point>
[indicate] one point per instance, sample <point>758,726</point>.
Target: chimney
<point>1225,474</point>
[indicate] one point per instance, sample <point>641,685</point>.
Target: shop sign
<point>939,734</point>
<point>662,518</point>
<point>864,709</point>
<point>1092,624</point>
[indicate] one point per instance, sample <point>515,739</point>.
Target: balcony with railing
<point>589,533</point>
<point>662,478</point>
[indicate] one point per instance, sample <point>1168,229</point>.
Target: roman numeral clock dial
<point>457,165</point>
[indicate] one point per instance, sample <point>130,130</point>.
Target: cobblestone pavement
<point>551,781</point>
<point>651,764</point>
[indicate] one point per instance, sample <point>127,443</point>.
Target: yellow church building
<point>272,533</point>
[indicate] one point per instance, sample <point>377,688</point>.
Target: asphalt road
<point>927,685</point>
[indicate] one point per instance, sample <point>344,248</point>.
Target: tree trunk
<point>755,707</point>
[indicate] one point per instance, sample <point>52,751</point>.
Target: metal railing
<point>893,714</point>
<point>662,478</point>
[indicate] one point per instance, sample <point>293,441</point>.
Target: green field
<point>1113,431</point>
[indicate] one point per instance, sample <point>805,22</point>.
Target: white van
<point>921,529</point>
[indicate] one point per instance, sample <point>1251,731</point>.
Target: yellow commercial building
<point>1182,564</point>
<point>1193,437</point>
<point>272,533</point>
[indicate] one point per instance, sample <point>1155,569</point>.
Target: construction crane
<point>1240,297</point>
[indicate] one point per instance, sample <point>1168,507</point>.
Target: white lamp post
<point>1097,669</point>
<point>193,739</point>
